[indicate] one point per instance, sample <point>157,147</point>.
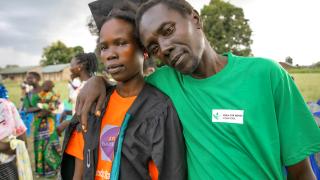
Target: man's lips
<point>177,59</point>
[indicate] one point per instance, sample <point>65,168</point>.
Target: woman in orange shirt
<point>139,135</point>
<point>82,66</point>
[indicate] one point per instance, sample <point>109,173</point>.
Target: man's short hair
<point>182,6</point>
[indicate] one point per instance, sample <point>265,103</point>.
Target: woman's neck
<point>131,87</point>
<point>84,76</point>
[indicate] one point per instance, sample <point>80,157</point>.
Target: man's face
<point>175,39</point>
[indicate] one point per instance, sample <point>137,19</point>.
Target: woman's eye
<point>103,48</point>
<point>121,43</point>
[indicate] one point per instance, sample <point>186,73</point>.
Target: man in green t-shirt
<point>243,117</point>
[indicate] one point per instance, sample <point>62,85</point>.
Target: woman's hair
<point>126,11</point>
<point>35,74</point>
<point>89,60</point>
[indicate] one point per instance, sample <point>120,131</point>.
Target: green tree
<point>289,60</point>
<point>317,64</point>
<point>226,28</point>
<point>92,26</point>
<point>59,53</point>
<point>93,29</point>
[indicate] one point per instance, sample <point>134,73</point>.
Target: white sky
<point>281,28</point>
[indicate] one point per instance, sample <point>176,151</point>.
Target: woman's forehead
<point>115,27</point>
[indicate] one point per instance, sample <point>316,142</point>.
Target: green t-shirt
<point>246,122</point>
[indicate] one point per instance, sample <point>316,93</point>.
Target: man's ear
<point>197,19</point>
<point>145,55</point>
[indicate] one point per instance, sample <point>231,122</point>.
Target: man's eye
<point>169,29</point>
<point>154,50</point>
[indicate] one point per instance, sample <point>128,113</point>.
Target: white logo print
<point>227,116</point>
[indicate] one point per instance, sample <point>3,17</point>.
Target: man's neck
<point>210,64</point>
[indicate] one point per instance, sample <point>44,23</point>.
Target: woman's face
<point>120,53</point>
<point>31,80</point>
<point>75,68</point>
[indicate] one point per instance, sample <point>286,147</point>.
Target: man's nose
<point>165,47</point>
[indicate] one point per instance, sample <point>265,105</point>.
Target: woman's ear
<point>80,67</point>
<point>197,19</point>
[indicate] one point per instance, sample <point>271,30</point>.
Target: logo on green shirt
<point>216,116</point>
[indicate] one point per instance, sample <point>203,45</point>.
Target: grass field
<point>308,84</point>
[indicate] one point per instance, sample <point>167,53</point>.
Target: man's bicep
<point>301,170</point>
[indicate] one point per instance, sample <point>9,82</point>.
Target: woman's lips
<point>112,69</point>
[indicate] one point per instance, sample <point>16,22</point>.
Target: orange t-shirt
<point>110,127</point>
<point>75,145</point>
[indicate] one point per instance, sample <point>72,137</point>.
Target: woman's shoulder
<point>152,102</point>
<point>154,93</point>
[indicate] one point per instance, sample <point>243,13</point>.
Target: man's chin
<point>186,71</point>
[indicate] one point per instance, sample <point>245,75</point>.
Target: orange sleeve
<point>153,170</point>
<point>75,145</point>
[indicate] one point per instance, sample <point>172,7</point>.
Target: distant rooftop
<point>54,68</point>
<point>286,65</point>
<point>17,70</point>
<point>44,69</point>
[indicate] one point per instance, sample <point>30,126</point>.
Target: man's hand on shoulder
<point>93,93</point>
